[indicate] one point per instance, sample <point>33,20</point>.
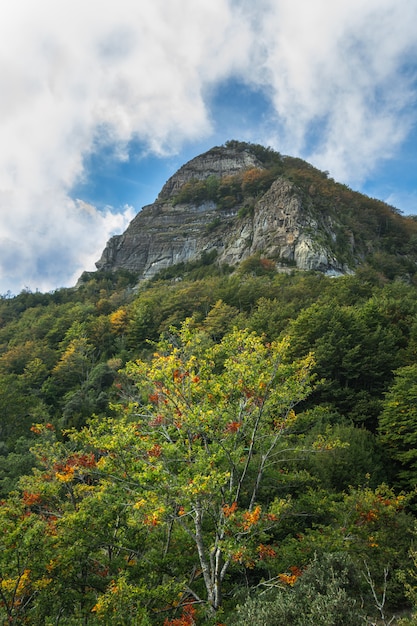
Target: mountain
<point>209,445</point>
<point>242,200</point>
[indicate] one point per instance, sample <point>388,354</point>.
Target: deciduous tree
<point>201,426</point>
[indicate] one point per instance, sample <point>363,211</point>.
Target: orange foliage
<point>241,556</point>
<point>290,579</point>
<point>65,470</point>
<point>152,519</point>
<point>76,461</point>
<point>266,552</point>
<point>229,510</point>
<point>251,517</point>
<point>267,264</point>
<point>368,516</point>
<point>31,498</point>
<point>186,619</point>
<point>251,178</point>
<point>155,451</point>
<point>233,427</point>
<point>157,421</point>
<point>178,376</point>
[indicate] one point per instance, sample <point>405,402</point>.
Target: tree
<point>356,348</point>
<point>371,525</point>
<point>202,426</point>
<point>24,554</point>
<point>219,319</point>
<point>80,572</point>
<point>75,363</point>
<point>397,423</point>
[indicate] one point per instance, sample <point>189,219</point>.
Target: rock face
<point>217,162</point>
<point>280,223</point>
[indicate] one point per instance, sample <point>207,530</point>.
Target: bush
<point>322,596</point>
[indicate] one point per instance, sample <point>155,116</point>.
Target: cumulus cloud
<point>339,75</point>
<point>76,77</point>
<point>79,76</point>
<point>51,244</point>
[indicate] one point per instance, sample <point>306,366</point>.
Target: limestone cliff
<point>241,200</point>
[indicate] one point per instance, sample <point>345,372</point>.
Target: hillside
<point>241,200</point>
<point>226,441</point>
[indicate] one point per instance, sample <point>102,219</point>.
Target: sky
<point>102,100</point>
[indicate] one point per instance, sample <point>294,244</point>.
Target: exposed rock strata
<point>216,162</point>
<point>281,225</point>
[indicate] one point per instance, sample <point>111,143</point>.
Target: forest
<point>219,444</point>
<point>208,450</point>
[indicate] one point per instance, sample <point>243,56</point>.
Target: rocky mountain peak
<point>220,161</point>
<point>242,200</point>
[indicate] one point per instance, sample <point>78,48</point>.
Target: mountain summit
<point>242,200</point>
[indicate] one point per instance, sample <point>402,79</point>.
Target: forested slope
<point>211,439</point>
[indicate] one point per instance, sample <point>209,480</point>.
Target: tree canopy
<point>172,452</point>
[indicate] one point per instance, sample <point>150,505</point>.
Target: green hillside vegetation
<point>218,445</point>
<point>171,452</point>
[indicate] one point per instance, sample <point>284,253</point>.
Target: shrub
<point>322,596</point>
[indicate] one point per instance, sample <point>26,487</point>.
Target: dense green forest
<point>219,444</point>
<point>208,450</point>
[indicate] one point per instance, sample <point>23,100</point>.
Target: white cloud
<point>52,246</point>
<point>338,66</point>
<point>78,75</point>
<point>75,76</point>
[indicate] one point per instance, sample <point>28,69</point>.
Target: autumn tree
<point>24,553</point>
<point>75,568</point>
<point>203,424</point>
